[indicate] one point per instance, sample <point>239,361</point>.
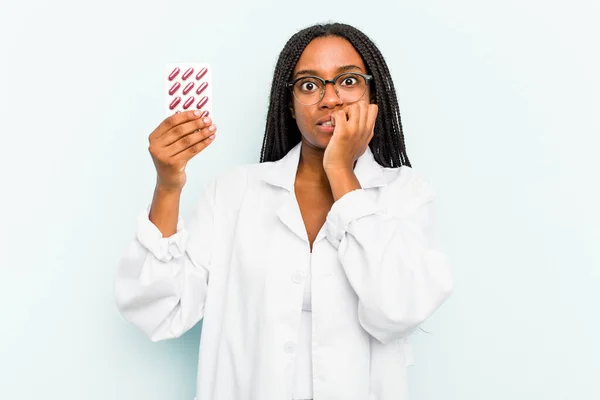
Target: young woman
<point>311,268</point>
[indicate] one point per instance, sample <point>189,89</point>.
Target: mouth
<point>326,122</point>
<point>326,126</point>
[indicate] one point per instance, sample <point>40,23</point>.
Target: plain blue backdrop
<point>499,103</point>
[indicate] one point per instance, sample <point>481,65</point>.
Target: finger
<point>185,142</point>
<point>364,120</point>
<point>359,119</point>
<point>339,118</point>
<point>173,121</point>
<point>353,112</point>
<point>191,151</point>
<point>179,131</point>
<point>372,112</point>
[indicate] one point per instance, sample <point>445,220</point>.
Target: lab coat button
<point>289,347</point>
<point>298,277</point>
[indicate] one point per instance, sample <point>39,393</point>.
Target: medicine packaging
<point>188,87</point>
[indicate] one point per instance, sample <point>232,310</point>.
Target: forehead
<point>327,54</point>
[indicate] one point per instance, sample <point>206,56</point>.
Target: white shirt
<point>241,264</point>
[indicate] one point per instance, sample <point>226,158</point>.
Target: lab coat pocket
<point>389,370</point>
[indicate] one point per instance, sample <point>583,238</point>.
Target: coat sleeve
<point>389,252</point>
<point>161,283</point>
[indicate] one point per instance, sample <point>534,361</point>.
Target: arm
<point>164,211</point>
<point>388,250</point>
<point>161,282</point>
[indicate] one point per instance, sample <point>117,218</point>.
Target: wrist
<point>339,172</point>
<point>342,181</point>
<point>342,168</point>
<point>167,191</point>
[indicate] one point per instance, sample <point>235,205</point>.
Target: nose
<point>330,97</point>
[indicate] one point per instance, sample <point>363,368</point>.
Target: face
<point>325,57</point>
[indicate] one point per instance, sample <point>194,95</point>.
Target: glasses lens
<point>350,87</point>
<point>308,91</point>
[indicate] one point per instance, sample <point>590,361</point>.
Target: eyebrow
<point>339,70</point>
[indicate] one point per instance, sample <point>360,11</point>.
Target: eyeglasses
<point>349,86</point>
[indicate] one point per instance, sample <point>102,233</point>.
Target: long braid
<point>281,132</point>
<point>278,142</point>
<point>392,146</point>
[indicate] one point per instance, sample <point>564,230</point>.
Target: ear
<point>292,110</point>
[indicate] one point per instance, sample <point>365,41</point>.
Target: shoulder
<point>406,183</point>
<point>232,183</point>
<point>238,177</point>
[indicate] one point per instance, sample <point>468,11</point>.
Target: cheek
<point>303,118</point>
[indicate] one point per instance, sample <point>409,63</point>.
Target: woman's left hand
<point>354,128</point>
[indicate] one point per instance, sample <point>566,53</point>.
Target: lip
<point>326,129</point>
<point>326,118</point>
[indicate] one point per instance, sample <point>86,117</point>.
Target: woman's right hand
<point>174,142</point>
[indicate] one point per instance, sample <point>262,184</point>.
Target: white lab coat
<point>240,264</point>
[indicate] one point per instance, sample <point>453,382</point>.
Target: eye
<point>308,85</point>
<point>349,80</point>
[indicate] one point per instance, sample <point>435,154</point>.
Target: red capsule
<point>174,88</point>
<point>202,102</point>
<point>201,73</point>
<point>202,87</point>
<point>188,87</point>
<point>187,73</point>
<point>174,103</point>
<point>188,102</point>
<point>204,114</point>
<point>174,73</point>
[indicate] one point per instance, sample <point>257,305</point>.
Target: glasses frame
<point>290,85</point>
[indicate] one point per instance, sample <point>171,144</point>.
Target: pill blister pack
<point>188,87</point>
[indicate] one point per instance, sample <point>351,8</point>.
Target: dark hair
<point>282,133</point>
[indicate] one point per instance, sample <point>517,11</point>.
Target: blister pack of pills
<point>188,87</point>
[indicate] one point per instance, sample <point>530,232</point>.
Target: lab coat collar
<point>282,173</point>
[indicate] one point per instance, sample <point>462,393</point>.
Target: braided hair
<point>282,133</point>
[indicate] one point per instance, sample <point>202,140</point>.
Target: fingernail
<point>212,128</point>
<point>211,137</point>
<point>206,120</point>
<point>197,113</point>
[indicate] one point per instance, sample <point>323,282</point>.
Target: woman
<point>308,269</point>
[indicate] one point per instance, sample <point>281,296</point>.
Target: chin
<point>325,142</point>
<point>315,138</point>
<point>318,142</point>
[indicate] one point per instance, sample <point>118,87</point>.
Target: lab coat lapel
<point>289,213</point>
<point>282,173</point>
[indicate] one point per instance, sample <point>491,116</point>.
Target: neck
<point>310,166</point>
